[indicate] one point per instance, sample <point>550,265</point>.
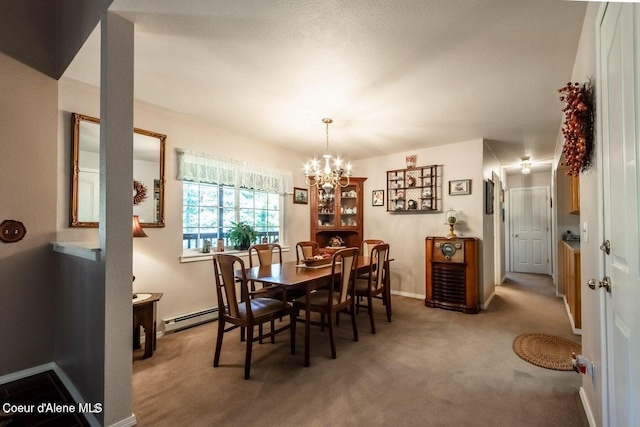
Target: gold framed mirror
<point>148,174</point>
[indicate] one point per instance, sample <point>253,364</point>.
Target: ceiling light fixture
<point>326,178</point>
<point>526,165</point>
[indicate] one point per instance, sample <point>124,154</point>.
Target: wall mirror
<point>148,174</point>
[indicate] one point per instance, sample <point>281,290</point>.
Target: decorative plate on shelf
<point>412,204</point>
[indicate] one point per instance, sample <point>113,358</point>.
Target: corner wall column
<point>116,210</point>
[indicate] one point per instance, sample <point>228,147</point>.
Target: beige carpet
<point>429,367</point>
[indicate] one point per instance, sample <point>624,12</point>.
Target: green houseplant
<point>242,235</point>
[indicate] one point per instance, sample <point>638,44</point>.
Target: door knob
<point>596,284</point>
<point>606,247</point>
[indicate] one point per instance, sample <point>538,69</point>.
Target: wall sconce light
<point>526,165</point>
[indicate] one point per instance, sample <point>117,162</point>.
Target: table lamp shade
<point>137,228</point>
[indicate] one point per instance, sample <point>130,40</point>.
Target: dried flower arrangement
<point>578,126</point>
<point>141,192</point>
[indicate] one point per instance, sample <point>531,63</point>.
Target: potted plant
<point>242,235</point>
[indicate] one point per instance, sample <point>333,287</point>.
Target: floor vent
<point>189,320</point>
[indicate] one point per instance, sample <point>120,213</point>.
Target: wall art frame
<point>460,187</point>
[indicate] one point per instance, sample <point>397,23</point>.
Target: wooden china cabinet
<point>339,213</point>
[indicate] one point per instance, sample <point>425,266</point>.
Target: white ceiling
<point>394,75</point>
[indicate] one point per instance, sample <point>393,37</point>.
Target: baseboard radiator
<point>191,319</point>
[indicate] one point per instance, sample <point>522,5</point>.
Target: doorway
<point>529,233</point>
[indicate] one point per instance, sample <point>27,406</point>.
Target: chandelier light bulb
<point>526,165</point>
<point>327,178</point>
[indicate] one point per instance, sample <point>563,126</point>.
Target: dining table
<point>294,275</point>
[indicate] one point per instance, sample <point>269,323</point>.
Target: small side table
<point>144,314</point>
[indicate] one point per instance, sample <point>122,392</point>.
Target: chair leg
<point>353,321</point>
<point>333,341</point>
<point>216,358</point>
<point>322,322</point>
<point>273,328</point>
<point>247,359</point>
<point>260,332</point>
<point>387,301</point>
<point>292,326</point>
<point>370,309</point>
<point>242,337</point>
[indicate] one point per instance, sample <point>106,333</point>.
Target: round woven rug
<point>546,351</point>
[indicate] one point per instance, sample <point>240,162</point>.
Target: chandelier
<point>327,178</point>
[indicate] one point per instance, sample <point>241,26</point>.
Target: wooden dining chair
<point>265,255</point>
<point>245,309</point>
<point>306,249</point>
<point>367,245</point>
<point>332,300</point>
<point>365,250</point>
<point>375,284</point>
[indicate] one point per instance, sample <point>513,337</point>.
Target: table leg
<point>307,326</point>
<point>387,288</point>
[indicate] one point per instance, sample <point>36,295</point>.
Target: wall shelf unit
<point>415,190</point>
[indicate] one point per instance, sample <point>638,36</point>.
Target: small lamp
<point>452,217</point>
<point>137,230</point>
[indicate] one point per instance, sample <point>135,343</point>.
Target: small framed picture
<point>300,195</point>
<point>377,198</point>
<point>489,197</point>
<point>459,187</point>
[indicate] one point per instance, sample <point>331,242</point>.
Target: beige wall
<point>406,233</point>
<point>590,212</point>
<point>187,287</point>
<point>27,194</point>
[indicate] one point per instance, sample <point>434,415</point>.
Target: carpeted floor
<point>429,367</point>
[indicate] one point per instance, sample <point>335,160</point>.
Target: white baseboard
<point>587,408</point>
<point>575,330</point>
<point>487,302</point>
<point>407,294</point>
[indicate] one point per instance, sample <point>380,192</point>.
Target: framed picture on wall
<point>489,197</point>
<point>377,198</point>
<point>459,187</point>
<point>300,195</point>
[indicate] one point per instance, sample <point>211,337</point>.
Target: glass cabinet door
<point>326,209</point>
<point>349,206</point>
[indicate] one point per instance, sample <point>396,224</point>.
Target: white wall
<point>534,179</point>
<point>490,234</point>
<point>585,69</point>
<point>187,287</point>
<point>406,232</point>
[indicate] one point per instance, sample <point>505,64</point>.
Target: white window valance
<point>200,167</point>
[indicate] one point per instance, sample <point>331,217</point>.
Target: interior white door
<point>620,121</point>
<point>529,219</point>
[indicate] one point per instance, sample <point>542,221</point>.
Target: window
<point>217,192</point>
<point>209,210</point>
